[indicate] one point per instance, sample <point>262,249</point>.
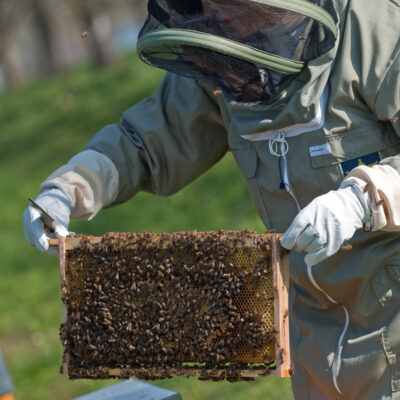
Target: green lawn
<point>41,127</point>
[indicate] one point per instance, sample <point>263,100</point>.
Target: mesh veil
<point>227,43</point>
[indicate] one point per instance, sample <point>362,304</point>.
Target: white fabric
<point>321,228</point>
<point>89,179</point>
<point>382,182</point>
<point>57,205</point>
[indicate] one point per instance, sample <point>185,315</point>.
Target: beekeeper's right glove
<point>321,228</point>
<point>58,206</point>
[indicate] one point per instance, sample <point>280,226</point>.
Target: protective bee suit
<point>331,126</point>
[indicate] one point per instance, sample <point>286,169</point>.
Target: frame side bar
<point>64,290</point>
<point>280,262</point>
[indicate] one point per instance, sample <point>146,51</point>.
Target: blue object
<point>368,160</point>
<point>132,390</point>
<point>6,385</point>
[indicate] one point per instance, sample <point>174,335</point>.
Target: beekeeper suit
<point>306,95</point>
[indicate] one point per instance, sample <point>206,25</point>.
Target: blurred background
<point>42,37</point>
<point>67,68</point>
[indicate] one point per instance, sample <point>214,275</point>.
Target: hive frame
<point>281,276</point>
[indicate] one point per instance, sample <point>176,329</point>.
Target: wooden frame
<point>280,261</point>
<point>281,303</point>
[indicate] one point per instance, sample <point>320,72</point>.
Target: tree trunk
<point>100,33</point>
<point>61,30</point>
<point>11,61</point>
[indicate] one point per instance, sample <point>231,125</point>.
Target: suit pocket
<point>336,155</point>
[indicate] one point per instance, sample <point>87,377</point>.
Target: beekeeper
<point>306,95</point>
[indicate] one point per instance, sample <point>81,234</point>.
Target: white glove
<point>321,228</point>
<point>58,206</point>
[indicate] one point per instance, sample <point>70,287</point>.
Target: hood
<point>248,48</point>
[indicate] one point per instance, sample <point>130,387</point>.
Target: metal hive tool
<point>207,304</point>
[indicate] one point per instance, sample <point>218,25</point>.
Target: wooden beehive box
<point>207,304</point>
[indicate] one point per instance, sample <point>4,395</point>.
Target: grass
<point>41,127</point>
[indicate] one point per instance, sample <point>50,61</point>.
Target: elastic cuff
<point>382,183</point>
<point>90,180</point>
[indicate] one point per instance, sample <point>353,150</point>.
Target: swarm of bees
<point>161,305</point>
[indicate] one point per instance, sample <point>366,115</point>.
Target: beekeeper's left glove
<point>58,206</point>
<point>321,228</point>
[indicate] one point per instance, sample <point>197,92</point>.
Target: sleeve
<point>160,145</point>
<point>383,181</point>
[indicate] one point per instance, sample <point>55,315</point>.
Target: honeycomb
<point>160,305</point>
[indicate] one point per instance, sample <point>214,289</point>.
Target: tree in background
<point>10,59</point>
<point>96,18</point>
<point>39,37</point>
<point>59,27</point>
